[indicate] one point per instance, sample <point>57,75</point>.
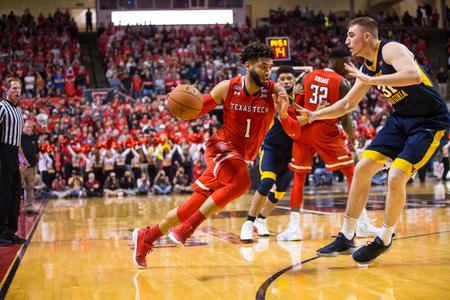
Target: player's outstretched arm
<point>401,59</point>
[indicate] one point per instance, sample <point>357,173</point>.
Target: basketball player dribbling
<point>249,104</point>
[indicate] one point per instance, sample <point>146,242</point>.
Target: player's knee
<point>242,181</point>
<point>397,180</point>
<point>359,169</point>
<point>265,186</point>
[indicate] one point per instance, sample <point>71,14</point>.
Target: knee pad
<point>272,198</point>
<point>275,196</point>
<point>265,186</point>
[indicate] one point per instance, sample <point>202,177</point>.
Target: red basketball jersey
<point>321,85</point>
<point>246,119</point>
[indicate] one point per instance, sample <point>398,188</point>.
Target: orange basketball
<point>185,102</point>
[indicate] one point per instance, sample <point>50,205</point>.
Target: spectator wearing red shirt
<point>137,86</point>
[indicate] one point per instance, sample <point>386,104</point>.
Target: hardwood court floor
<point>81,249</point>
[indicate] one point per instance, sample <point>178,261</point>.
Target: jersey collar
<point>373,67</point>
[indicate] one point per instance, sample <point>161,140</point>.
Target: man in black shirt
<point>89,20</point>
<point>11,123</point>
<point>31,150</point>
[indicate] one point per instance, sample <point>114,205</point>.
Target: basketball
<point>185,102</point>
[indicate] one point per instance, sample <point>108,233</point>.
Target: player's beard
<point>255,77</point>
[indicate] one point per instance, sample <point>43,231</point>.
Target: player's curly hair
<point>255,51</point>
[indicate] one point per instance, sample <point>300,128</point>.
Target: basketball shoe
<point>180,233</point>
<point>247,232</point>
<point>141,248</point>
<point>368,253</point>
<point>293,232</point>
<point>340,246</point>
<point>261,227</point>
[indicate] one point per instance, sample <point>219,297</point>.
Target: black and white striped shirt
<point>11,123</point>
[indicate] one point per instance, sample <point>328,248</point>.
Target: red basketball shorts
<point>329,144</point>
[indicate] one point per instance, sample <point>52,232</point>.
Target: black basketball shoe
<point>340,246</point>
<point>368,253</point>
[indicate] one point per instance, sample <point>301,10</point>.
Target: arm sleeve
<point>208,104</point>
<point>291,126</point>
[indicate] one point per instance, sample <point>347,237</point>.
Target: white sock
<point>295,218</point>
<point>386,234</point>
<point>349,226</point>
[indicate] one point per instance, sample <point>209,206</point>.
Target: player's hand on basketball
<point>306,113</point>
<point>354,72</point>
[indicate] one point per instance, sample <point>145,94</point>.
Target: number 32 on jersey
<point>319,93</point>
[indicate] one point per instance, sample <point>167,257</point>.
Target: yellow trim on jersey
<point>375,155</point>
<point>279,195</point>
<point>261,154</point>
<point>265,174</point>
<point>404,165</point>
<point>373,67</point>
<point>271,124</point>
<point>410,168</point>
<point>434,145</point>
<point>425,80</point>
<point>268,174</point>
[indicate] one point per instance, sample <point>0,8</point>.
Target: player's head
<point>362,32</point>
<point>257,58</point>
<point>337,59</point>
<point>286,77</point>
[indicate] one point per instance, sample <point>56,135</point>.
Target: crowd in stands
<point>132,145</point>
<point>44,53</point>
<point>425,17</point>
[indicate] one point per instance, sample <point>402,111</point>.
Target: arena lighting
<point>172,17</point>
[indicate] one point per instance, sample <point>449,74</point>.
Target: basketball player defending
<point>410,137</point>
<point>249,104</point>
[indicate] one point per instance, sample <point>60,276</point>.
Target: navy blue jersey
<point>419,100</point>
<point>276,138</point>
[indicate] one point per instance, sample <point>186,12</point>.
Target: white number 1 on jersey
<point>247,131</point>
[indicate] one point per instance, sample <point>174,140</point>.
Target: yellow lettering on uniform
<point>273,43</point>
<point>400,95</point>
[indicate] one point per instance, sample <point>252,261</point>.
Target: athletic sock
<point>152,234</point>
<point>386,234</point>
<point>251,218</point>
<point>349,226</point>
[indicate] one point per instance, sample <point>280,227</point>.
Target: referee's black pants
<point>10,189</point>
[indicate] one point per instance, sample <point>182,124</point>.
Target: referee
<point>11,123</point>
